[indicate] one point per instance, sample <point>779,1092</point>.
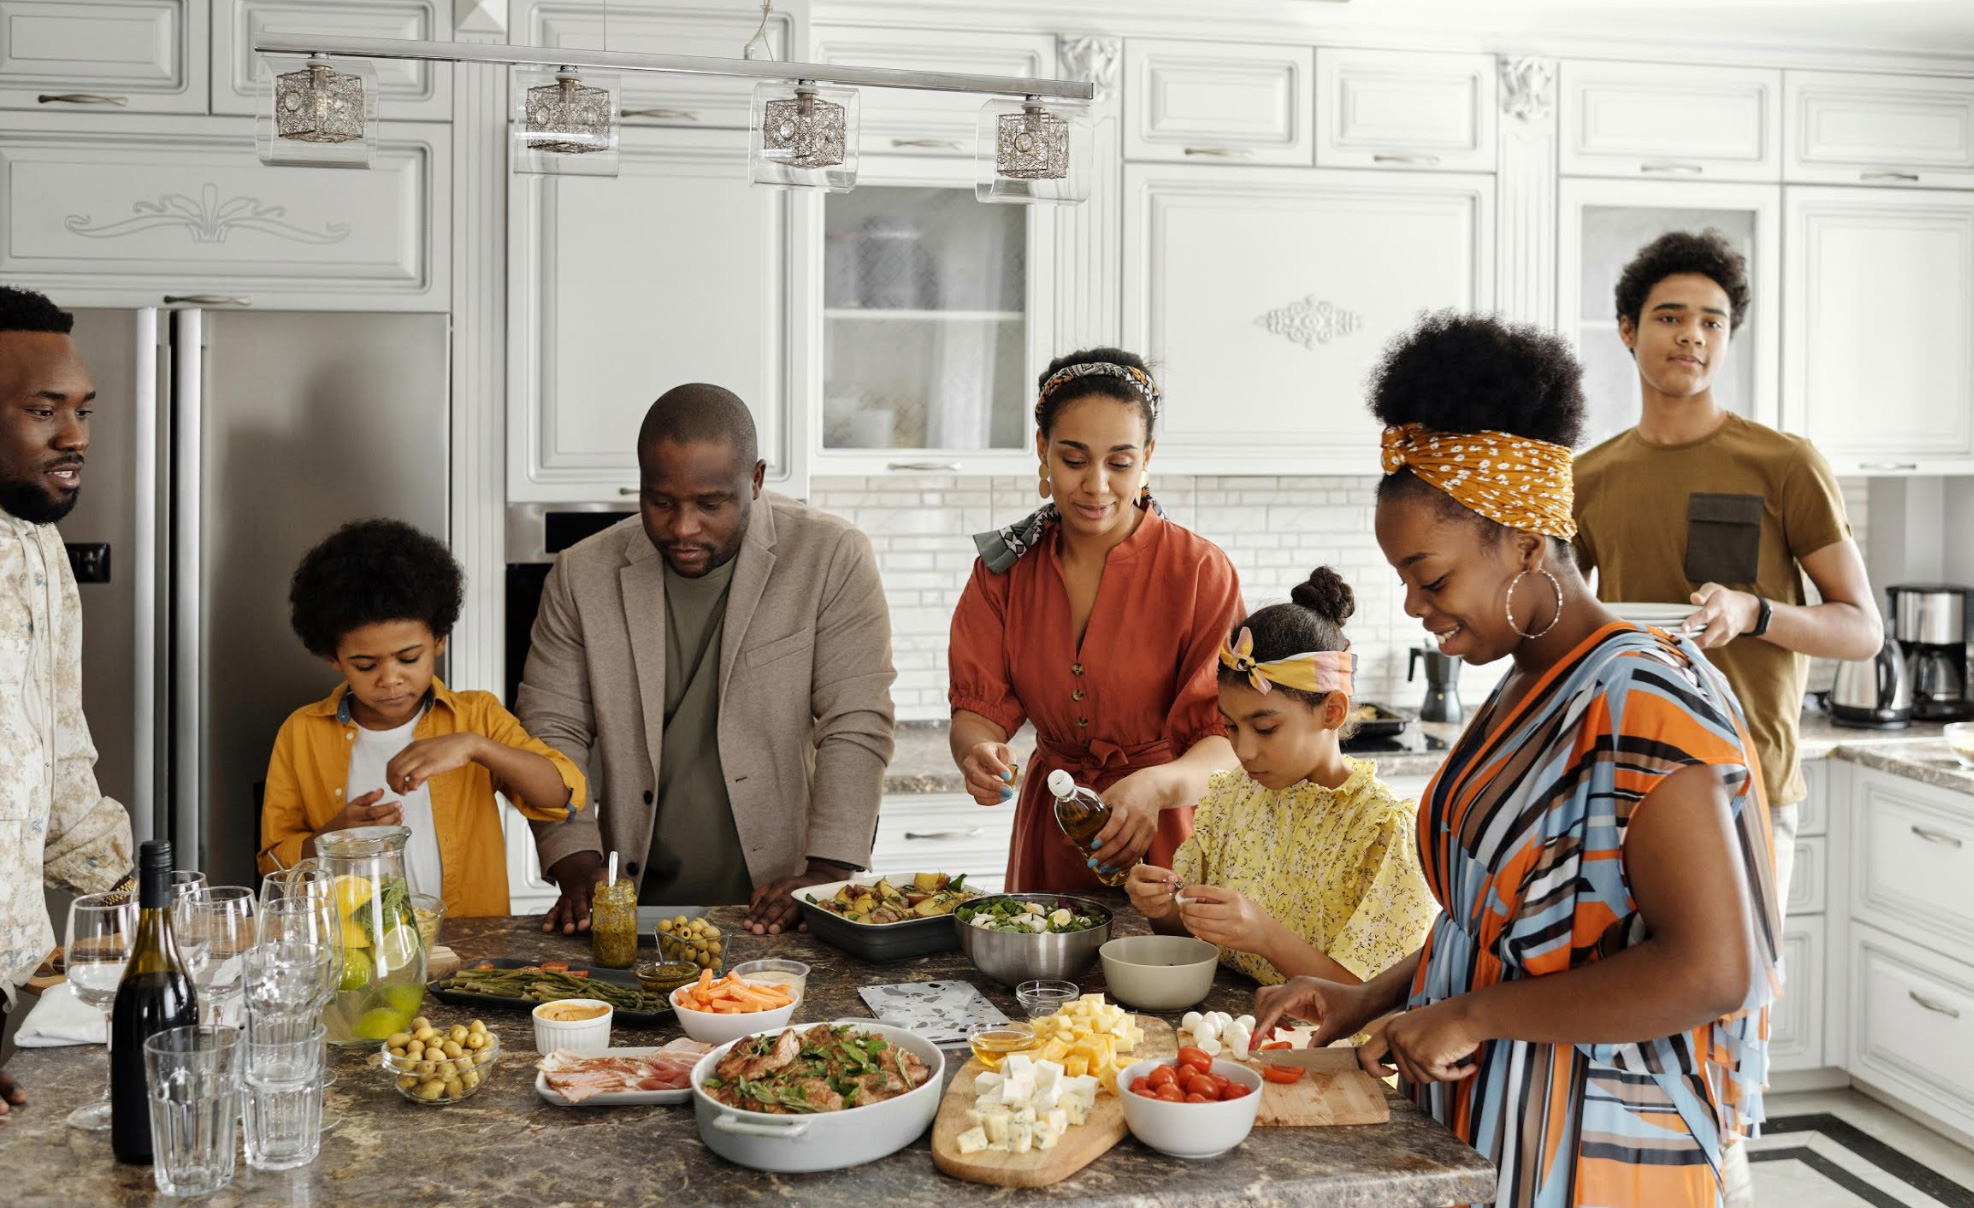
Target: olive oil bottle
<point>154,995</point>
<point>1082,815</point>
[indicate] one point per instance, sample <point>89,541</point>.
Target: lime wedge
<point>405,998</point>
<point>378,1023</point>
<point>396,950</point>
<point>356,970</point>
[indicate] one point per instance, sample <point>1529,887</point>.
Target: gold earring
<point>1042,488</point>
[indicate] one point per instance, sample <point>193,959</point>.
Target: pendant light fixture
<point>1028,152</point>
<point>803,137</point>
<point>564,122</point>
<point>316,113</point>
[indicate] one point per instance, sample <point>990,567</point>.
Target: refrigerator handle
<point>146,819</point>
<point>187,690</point>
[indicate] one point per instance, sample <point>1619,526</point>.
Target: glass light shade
<point>803,137</point>
<point>1032,150</point>
<point>314,112</point>
<point>564,123</point>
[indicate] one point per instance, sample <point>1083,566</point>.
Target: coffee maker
<point>1442,701</point>
<point>1930,623</point>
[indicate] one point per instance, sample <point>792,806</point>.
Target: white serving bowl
<point>574,1036</point>
<point>1159,972</point>
<point>709,1027</point>
<point>1190,1130</point>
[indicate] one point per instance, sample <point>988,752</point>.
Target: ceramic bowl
<point>1159,972</point>
<point>709,1027</point>
<point>572,1036</point>
<point>1191,1130</point>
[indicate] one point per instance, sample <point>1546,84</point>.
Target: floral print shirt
<point>1339,867</point>
<point>55,824</point>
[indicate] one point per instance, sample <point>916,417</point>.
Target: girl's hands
<point>1151,889</point>
<point>1222,916</point>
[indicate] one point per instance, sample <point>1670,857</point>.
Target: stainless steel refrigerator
<point>224,444</point>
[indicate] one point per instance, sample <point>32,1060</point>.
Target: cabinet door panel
<point>1267,297</point>
<point>654,98</point>
<point>1913,859</point>
<point>1796,1025</point>
<point>896,121</point>
<point>1217,102</point>
<point>150,55</point>
<point>1912,1025</point>
<point>1402,109</point>
<point>405,89</point>
<point>1646,120</point>
<point>1882,130</point>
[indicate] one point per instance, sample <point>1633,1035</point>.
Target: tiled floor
<point>1840,1149</point>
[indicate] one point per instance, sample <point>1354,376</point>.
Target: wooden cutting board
<point>1082,1144</point>
<point>1336,1090</point>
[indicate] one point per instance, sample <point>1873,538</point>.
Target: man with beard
<point>55,825</point>
<point>730,659</point>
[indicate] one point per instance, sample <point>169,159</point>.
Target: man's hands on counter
<point>577,875</point>
<point>772,909</point>
<point>11,1094</point>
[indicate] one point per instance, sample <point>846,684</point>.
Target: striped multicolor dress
<point>1522,837</point>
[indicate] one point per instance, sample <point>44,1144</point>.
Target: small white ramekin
<point>580,1036</point>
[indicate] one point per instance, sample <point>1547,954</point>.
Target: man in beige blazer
<point>729,658</point>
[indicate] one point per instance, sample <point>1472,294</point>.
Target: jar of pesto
<point>613,925</point>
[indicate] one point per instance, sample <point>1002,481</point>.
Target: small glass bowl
<point>793,974</point>
<point>430,911</point>
<point>1044,997</point>
<point>1960,740</point>
<point>458,1078</point>
<point>993,1042</point>
<point>662,977</point>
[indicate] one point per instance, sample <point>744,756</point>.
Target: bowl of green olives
<point>682,938</point>
<point>436,1066</point>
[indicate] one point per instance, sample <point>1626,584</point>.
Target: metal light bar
<point>615,60</point>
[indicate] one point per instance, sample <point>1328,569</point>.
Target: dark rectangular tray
<point>618,977</point>
<point>886,942</point>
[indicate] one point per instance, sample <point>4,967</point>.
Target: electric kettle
<point>1874,693</point>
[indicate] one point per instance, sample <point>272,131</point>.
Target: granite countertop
<point>505,1146</point>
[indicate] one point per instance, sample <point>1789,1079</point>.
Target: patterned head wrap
<point>1512,480</point>
<point>1138,378</point>
<point>1318,671</point>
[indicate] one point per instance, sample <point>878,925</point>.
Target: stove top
<point>1412,741</point>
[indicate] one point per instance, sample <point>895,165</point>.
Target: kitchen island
<point>505,1146</point>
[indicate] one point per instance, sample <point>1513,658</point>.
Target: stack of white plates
<point>1665,616</point>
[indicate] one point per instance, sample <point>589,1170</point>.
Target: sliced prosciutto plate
<point>620,1077</point>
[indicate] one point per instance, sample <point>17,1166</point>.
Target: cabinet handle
<point>1667,166</point>
<point>1888,465</point>
<point>1905,176</point>
<point>1933,836</point>
<point>209,299</point>
<point>80,98</point>
<point>682,115</point>
<point>941,144</point>
<point>1221,152</point>
<point>1427,160</point>
<point>1930,1005</point>
<point>630,490</point>
<point>930,467</point>
<point>975,833</point>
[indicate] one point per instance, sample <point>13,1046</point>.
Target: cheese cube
<point>1077,1064</point>
<point>982,1083</point>
<point>1021,1137</point>
<point>976,1118</point>
<point>972,1141</point>
<point>1056,1051</point>
<point>1045,1101</point>
<point>1019,1090</point>
<point>1058,1119</point>
<point>1046,1138</point>
<point>1015,1063</point>
<point>1095,1000</point>
<point>1025,1115</point>
<point>1074,1110</point>
<point>1047,1073</point>
<point>997,1125</point>
<point>1081,1090</point>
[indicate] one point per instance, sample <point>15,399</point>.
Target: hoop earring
<point>1508,603</point>
<point>1042,488</point>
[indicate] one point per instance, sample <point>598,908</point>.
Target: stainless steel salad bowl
<point>1013,957</point>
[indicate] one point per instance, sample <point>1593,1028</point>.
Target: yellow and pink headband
<point>1512,480</point>
<point>1317,672</point>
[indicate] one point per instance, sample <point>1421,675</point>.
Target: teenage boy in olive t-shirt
<point>1698,505</point>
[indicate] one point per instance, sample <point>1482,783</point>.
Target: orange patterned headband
<point>1317,672</point>
<point>1512,480</point>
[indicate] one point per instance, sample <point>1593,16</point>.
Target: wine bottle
<point>1082,815</point>
<point>154,995</point>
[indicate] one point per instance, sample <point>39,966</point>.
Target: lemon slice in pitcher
<point>352,891</point>
<point>396,949</point>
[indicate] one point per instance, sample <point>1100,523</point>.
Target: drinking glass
<point>100,929</point>
<point>215,929</point>
<point>304,920</point>
<point>287,982</point>
<point>187,882</point>
<point>282,1108</point>
<point>305,879</point>
<point>193,1075</point>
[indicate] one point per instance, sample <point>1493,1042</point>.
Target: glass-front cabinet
<point>930,333</point>
<point>1604,224</point>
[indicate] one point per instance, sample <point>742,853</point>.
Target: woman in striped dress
<point>1590,1012</point>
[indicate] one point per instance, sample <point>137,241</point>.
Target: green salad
<point>1005,914</point>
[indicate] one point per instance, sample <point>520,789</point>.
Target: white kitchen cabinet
<point>1878,368</point>
<point>105,56</point>
<point>1912,847</point>
<point>1823,778</point>
<point>133,212</point>
<point>1796,1024</point>
<point>1912,1025</point>
<point>649,27</point>
<point>1187,101</point>
<point>1266,295</point>
<point>528,890</point>
<point>619,289</point>
<point>1670,121</point>
<point>406,90</point>
<point>1405,109</point>
<point>944,832</point>
<point>1846,129</point>
<point>1603,224</point>
<point>897,121</point>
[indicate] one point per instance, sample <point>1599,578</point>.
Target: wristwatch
<point>1761,621</point>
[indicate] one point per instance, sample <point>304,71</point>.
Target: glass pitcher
<point>383,981</point>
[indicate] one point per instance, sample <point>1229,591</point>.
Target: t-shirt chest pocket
<point>1723,538</point>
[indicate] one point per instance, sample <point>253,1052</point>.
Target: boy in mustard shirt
<point>393,745</point>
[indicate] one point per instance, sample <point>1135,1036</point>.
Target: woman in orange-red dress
<point>1099,621</point>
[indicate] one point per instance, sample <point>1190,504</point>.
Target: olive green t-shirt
<point>1741,507</point>
<point>696,858</point>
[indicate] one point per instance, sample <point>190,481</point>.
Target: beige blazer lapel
<point>643,583</point>
<point>750,581</point>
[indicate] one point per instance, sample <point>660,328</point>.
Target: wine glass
<point>186,883</point>
<point>306,877</point>
<point>100,930</point>
<point>218,928</point>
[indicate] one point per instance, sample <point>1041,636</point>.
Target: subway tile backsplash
<point>1275,529</point>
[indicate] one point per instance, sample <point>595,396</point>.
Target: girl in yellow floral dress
<point>1302,861</point>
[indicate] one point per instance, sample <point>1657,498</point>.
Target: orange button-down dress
<point>1140,692</point>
